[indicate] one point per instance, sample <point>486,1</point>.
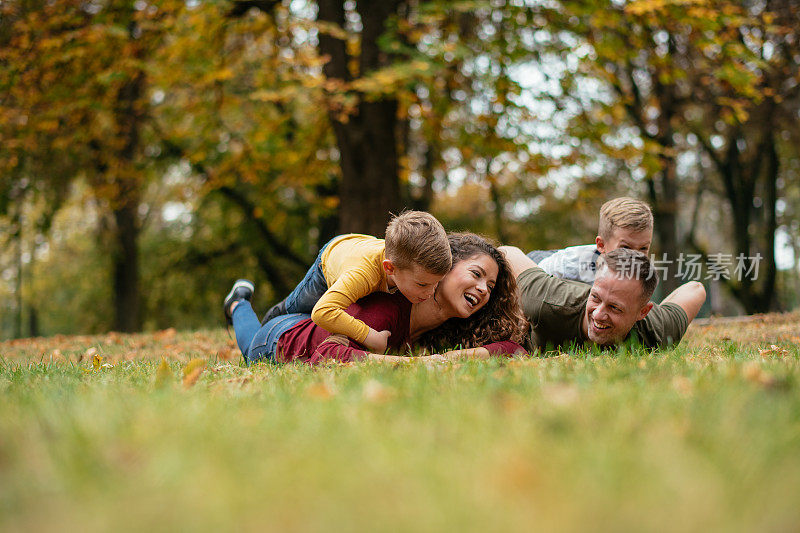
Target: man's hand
<point>377,341</point>
<point>517,259</point>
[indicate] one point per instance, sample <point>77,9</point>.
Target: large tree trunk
<point>125,203</point>
<point>753,237</point>
<point>757,295</point>
<point>369,187</point>
<point>125,268</point>
<point>664,202</point>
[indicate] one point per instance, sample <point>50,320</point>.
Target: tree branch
<point>248,208</point>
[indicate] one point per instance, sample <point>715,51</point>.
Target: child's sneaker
<point>276,310</point>
<point>241,290</point>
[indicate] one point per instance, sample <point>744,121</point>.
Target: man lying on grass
<point>614,309</point>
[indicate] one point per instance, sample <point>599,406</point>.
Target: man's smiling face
<point>614,306</point>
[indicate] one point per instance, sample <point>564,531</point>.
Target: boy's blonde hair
<point>417,237</point>
<point>624,212</point>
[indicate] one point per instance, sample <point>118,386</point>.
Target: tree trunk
<point>740,176</point>
<point>129,115</point>
<point>17,236</point>
<point>370,186</point>
<point>125,269</point>
<point>765,300</point>
<point>369,189</point>
<point>666,224</point>
<point>665,205</point>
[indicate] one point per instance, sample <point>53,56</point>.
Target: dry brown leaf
<point>228,353</point>
<point>191,378</point>
<point>192,371</point>
<point>774,350</point>
<point>164,334</point>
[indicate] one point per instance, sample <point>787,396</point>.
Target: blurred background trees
<point>153,151</point>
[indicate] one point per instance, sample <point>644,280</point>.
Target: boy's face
<point>626,238</point>
<point>415,283</point>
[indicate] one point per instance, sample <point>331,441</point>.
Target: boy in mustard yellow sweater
<point>412,259</point>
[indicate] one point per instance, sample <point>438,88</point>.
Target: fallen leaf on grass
<point>192,371</point>
<point>774,350</point>
<point>228,353</point>
<point>98,362</point>
<point>163,374</point>
<point>320,390</point>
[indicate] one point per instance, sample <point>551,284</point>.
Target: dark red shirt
<point>380,311</point>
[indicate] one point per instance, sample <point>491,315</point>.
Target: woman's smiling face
<point>468,285</point>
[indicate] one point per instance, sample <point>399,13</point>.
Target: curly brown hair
<point>501,319</point>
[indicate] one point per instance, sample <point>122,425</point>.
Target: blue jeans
<point>258,342</point>
<point>308,292</point>
<point>538,255</point>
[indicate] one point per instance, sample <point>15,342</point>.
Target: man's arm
<point>689,296</point>
<point>517,259</point>
<point>452,355</point>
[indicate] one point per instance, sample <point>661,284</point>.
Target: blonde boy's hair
<point>417,237</point>
<point>624,212</point>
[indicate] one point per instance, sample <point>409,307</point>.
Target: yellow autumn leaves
<point>164,377</point>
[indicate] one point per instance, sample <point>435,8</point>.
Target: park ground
<point>169,431</point>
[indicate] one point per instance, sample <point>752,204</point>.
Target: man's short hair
<point>416,237</point>
<point>624,212</point>
<point>631,264</point>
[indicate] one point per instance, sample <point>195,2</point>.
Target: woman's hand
<point>466,353</point>
<point>377,341</point>
<point>452,355</point>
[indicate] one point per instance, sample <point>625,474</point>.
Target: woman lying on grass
<point>475,308</point>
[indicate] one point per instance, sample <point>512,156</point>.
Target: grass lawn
<point>97,433</point>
